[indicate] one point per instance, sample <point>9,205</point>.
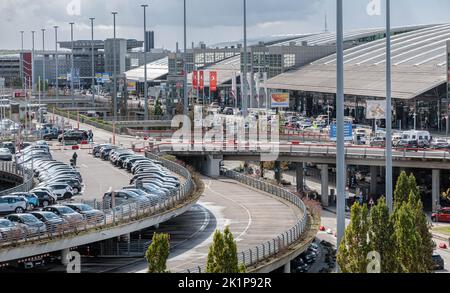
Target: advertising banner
<point>131,86</point>
<point>195,79</point>
<point>213,81</point>
<point>280,100</point>
<point>376,110</point>
<point>202,80</point>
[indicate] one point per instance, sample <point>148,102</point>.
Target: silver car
<point>13,204</point>
<point>32,225</point>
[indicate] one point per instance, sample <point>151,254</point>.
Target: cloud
<point>211,21</point>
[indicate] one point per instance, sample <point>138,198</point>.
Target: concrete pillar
<point>436,189</point>
<point>64,254</point>
<point>324,191</point>
<point>287,268</point>
<point>299,171</point>
<point>211,166</point>
<point>373,180</point>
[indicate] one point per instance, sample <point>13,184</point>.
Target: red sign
<point>195,79</point>
<point>202,80</point>
<point>213,81</point>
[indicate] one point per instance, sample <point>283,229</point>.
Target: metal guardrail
<point>126,213</point>
<point>18,170</point>
<point>283,241</point>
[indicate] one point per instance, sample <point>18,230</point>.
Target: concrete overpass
<point>210,156</point>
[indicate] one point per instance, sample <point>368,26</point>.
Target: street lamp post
<point>43,74</point>
<point>114,69</point>
<point>340,156</point>
<point>93,61</point>
<point>33,77</point>
<point>389,175</point>
<point>185,88</point>
<point>145,63</point>
<point>71,65</point>
<point>244,71</point>
<point>21,60</point>
<point>56,62</point>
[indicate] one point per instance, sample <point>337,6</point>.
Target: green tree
<point>407,239</point>
<point>158,108</point>
<point>381,238</point>
<point>423,228</point>
<point>157,253</point>
<point>222,256</point>
<point>402,189</point>
<point>354,248</point>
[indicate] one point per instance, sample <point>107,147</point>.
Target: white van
<point>416,135</point>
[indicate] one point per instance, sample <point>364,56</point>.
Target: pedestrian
<point>74,159</point>
<point>90,136</point>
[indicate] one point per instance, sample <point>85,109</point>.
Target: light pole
<point>244,71</point>
<point>145,64</point>
<point>43,74</point>
<point>21,60</point>
<point>93,62</point>
<point>114,69</point>
<point>185,89</point>
<point>340,146</point>
<point>56,62</point>
<point>33,78</point>
<point>389,175</point>
<point>71,65</point>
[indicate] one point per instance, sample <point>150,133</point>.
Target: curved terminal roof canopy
<point>228,68</point>
<point>418,65</point>
<point>155,71</point>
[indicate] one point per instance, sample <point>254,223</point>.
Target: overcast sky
<point>211,21</point>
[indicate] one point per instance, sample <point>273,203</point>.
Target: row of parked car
<point>36,213</point>
<point>151,184</point>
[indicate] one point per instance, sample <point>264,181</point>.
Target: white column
<point>324,191</point>
<point>287,268</point>
<point>436,189</point>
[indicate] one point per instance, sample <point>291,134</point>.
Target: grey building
<point>149,41</point>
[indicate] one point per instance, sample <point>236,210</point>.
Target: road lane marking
<point>250,218</point>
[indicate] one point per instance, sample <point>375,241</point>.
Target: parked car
<point>378,142</point>
<point>5,155</point>
<point>62,191</point>
<point>32,225</point>
<point>440,143</point>
<point>10,231</point>
<point>406,144</point>
<point>309,257</point>
<point>33,200</point>
<point>74,218</point>
<point>53,222</point>
<point>438,262</point>
<point>10,146</point>
<point>443,215</point>
<point>73,135</point>
<point>298,265</point>
<point>13,204</point>
<point>45,198</point>
<point>90,214</point>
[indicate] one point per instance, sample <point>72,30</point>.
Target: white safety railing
<point>107,216</point>
<point>272,247</point>
<point>18,170</point>
<point>313,150</point>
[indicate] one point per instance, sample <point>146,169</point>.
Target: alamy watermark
<point>73,260</point>
<point>374,8</point>
<point>73,8</point>
<point>215,133</point>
